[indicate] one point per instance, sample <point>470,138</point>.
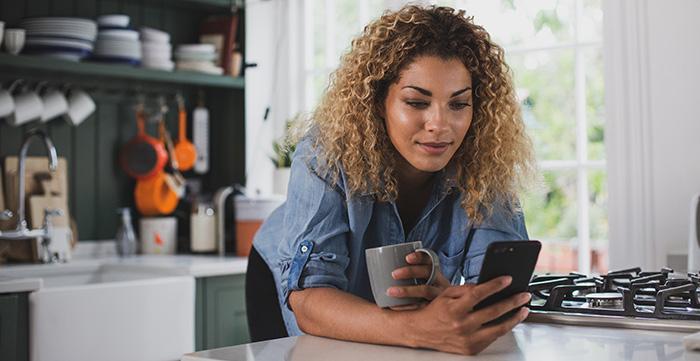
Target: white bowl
<point>196,48</point>
<point>115,20</point>
<point>154,35</point>
<point>121,34</point>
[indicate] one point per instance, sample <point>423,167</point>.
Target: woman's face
<point>428,111</point>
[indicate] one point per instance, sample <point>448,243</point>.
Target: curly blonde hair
<point>494,158</point>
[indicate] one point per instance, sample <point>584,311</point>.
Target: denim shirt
<point>318,236</point>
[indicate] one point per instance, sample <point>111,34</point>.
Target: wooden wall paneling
<point>108,7</point>
<point>134,11</point>
<point>36,8</point>
<point>85,9</point>
<point>62,7</point>
<point>83,173</point>
<point>13,12</point>
<point>10,139</point>
<point>152,16</point>
<point>107,185</point>
<point>227,135</point>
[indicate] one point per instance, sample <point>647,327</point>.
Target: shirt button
<point>304,249</point>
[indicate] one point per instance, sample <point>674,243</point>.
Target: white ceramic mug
<point>80,107</point>
<point>14,40</point>
<point>7,103</point>
<point>158,235</point>
<point>55,104</point>
<point>28,107</point>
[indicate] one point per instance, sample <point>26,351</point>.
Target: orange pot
<point>155,196</point>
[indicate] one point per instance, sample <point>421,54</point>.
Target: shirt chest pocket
<point>450,264</point>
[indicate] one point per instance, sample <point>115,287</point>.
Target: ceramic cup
<point>7,103</point>
<point>381,261</point>
<point>158,235</point>
<point>28,107</point>
<point>55,104</point>
<point>2,29</point>
<point>80,106</point>
<point>14,40</point>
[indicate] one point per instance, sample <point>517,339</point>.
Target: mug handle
<point>435,260</point>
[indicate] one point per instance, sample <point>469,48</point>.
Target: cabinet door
<point>221,313</point>
<point>14,327</point>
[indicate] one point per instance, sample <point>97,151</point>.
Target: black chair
<point>265,320</point>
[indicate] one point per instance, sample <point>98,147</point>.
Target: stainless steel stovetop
<point>627,298</point>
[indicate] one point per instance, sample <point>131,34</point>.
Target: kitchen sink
<point>93,311</point>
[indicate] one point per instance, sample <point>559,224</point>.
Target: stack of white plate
<point>116,43</point>
<point>156,49</point>
<point>197,57</point>
<point>60,37</point>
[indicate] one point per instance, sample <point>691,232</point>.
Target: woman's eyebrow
<point>458,92</point>
<point>428,93</point>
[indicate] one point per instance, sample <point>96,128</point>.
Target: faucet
<point>220,206</point>
<point>21,231</point>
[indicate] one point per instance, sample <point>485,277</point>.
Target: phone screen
<point>512,258</point>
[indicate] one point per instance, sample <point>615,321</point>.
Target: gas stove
<point>626,298</point>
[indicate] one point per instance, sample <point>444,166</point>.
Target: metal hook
<point>12,86</point>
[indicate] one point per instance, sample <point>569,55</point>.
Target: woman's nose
<point>436,119</point>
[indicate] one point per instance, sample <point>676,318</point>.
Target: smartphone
<point>512,258</point>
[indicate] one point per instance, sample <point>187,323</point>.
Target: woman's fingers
<point>499,309</point>
<point>470,296</point>
<point>419,291</point>
<point>421,271</point>
<point>486,335</point>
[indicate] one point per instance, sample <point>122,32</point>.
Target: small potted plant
<point>282,159</point>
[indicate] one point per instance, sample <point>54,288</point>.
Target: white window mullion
<point>584,242</point>
<point>329,46</point>
<point>308,53</point>
<point>364,14</point>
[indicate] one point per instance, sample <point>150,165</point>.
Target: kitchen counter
<point>13,285</point>
<point>528,341</point>
<point>28,277</point>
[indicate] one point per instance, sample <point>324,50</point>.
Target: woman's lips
<point>434,148</point>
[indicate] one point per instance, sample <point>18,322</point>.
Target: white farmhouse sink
<point>108,312</point>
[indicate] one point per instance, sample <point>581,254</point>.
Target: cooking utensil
<point>143,156</point>
<point>160,194</point>
<point>185,151</point>
<point>38,204</point>
<point>155,196</point>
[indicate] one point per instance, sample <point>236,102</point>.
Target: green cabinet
<point>220,318</point>
<point>14,327</point>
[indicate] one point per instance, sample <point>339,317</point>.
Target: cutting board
<point>39,203</point>
<point>34,165</point>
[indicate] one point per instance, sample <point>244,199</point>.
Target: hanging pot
<point>143,156</point>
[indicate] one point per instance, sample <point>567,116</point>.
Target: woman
<point>418,137</point>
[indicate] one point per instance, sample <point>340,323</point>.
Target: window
<point>554,48</point>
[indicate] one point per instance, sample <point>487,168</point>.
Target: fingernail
<point>524,297</point>
<point>507,280</point>
<point>393,275</point>
<point>393,291</point>
<point>411,257</point>
<point>525,311</point>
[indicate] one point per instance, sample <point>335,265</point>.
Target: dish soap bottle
<point>126,238</point>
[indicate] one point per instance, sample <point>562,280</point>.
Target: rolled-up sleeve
<point>313,251</point>
<point>502,226</point>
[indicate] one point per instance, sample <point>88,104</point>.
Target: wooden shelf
<point>115,71</point>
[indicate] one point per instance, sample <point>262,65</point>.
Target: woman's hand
<point>419,267</point>
<point>450,324</point>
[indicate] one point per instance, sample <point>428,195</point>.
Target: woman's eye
<point>418,105</point>
<point>459,105</point>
